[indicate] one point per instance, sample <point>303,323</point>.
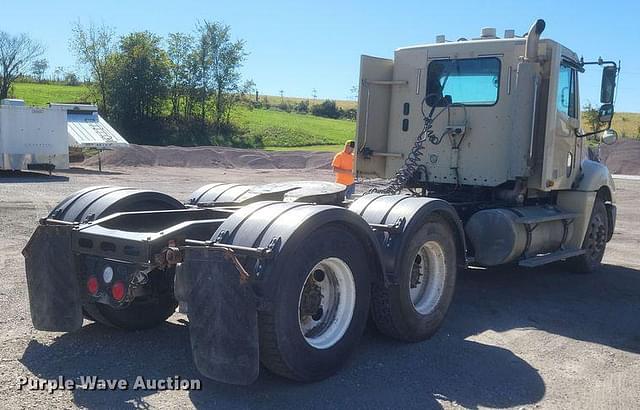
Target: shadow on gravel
<point>601,308</point>
<point>89,171</point>
<point>109,353</point>
<point>26,177</point>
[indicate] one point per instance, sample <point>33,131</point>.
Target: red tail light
<point>92,285</point>
<point>118,291</point>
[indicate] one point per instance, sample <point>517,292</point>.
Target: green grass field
<point>279,130</point>
<point>282,129</point>
<point>41,94</point>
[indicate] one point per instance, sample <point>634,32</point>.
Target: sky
<point>298,46</point>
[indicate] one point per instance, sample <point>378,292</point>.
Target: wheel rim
<point>597,237</point>
<point>326,303</point>
<point>428,274</point>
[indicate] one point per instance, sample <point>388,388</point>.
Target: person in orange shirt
<point>343,167</point>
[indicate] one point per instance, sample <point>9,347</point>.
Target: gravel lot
<point>513,338</point>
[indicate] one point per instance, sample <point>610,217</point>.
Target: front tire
<point>595,241</point>
<point>414,309</point>
<point>321,307</point>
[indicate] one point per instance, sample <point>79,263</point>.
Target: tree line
<point>148,85</point>
<point>327,108</point>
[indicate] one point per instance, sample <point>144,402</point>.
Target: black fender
<point>282,226</point>
<point>217,192</point>
<point>409,213</point>
<point>95,202</point>
<point>318,192</point>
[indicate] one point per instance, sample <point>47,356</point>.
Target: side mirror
<point>605,113</point>
<point>608,85</point>
<point>609,137</point>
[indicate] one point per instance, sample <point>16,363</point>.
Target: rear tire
<point>414,309</point>
<point>318,317</point>
<point>595,241</point>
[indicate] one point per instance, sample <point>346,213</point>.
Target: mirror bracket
<point>588,134</point>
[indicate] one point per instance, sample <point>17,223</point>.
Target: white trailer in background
<point>39,138</point>
<point>32,138</point>
<point>87,129</point>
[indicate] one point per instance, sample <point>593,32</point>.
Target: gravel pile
<point>212,157</point>
<point>623,157</point>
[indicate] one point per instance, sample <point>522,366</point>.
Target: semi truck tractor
<point>479,160</point>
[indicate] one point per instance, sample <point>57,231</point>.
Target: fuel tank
<point>503,235</point>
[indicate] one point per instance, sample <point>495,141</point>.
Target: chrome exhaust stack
<point>533,38</point>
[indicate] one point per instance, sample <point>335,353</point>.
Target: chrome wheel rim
<point>428,274</point>
<point>326,303</point>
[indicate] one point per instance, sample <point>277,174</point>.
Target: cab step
<point>540,260</point>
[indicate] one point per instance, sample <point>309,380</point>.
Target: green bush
<point>327,109</point>
<point>349,114</point>
<point>186,132</point>
<point>283,106</point>
<point>302,106</point>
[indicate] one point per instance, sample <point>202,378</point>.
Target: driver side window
<point>566,97</point>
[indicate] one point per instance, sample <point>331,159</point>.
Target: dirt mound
<point>623,157</point>
<point>212,157</point>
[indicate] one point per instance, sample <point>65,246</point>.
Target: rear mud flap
<point>223,319</point>
<point>54,291</point>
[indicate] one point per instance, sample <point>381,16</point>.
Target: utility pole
<point>354,92</point>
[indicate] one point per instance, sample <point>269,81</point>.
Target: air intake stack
<point>488,33</point>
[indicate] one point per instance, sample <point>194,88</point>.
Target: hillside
<point>627,124</point>
<point>282,129</point>
<point>42,94</point>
